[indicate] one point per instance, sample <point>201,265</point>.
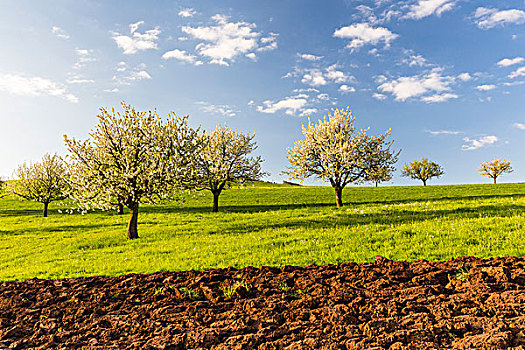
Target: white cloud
<point>374,15</point>
<point>305,90</point>
<point>378,96</point>
<point>269,39</point>
<point>439,97</point>
<point>18,84</point>
<point>139,75</point>
<point>134,26</point>
<point>444,132</point>
<point>59,32</point>
<point>137,41</point>
<point>365,12</point>
<point>181,55</point>
<point>83,56</point>
<point>251,56</point>
<point>314,77</point>
<point>223,42</point>
<point>323,97</point>
<point>415,60</point>
<point>114,90</point>
<point>318,77</point>
<point>486,87</point>
<point>290,105</point>
<point>374,52</point>
<point>189,12</point>
<point>336,75</point>
<point>80,81</point>
<point>417,85</point>
<point>487,18</point>
<point>510,61</point>
<point>224,110</point>
<point>388,15</point>
<point>122,66</point>
<point>478,143</point>
<point>424,8</point>
<point>363,33</point>
<point>520,72</point>
<point>514,83</point>
<point>270,47</point>
<point>307,112</point>
<point>126,75</point>
<point>305,95</point>
<point>345,88</point>
<point>464,77</point>
<point>519,126</point>
<point>310,57</point>
<point>380,78</point>
<point>270,42</point>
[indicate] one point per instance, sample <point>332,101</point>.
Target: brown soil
<point>465,303</point>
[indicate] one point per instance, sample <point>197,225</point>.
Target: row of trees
<point>137,157</point>
<point>424,169</point>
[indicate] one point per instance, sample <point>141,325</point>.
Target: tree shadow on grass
<point>391,217</point>
<point>21,212</point>
<point>57,228</point>
<point>181,208</point>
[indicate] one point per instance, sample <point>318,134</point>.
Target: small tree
<point>495,168</point>
<point>381,174</point>
<point>132,158</point>
<point>42,182</point>
<point>224,160</point>
<point>422,170</point>
<point>333,150</point>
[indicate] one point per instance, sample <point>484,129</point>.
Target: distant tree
<point>42,182</point>
<point>333,150</point>
<point>131,158</point>
<point>422,170</point>
<point>380,174</point>
<point>495,168</point>
<point>224,160</point>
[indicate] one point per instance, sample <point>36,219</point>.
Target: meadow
<point>265,224</point>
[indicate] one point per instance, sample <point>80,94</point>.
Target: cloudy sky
<point>447,76</point>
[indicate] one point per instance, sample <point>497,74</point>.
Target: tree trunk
<point>338,196</point>
<point>424,182</point>
<point>376,183</point>
<point>215,201</point>
<point>120,209</point>
<point>46,204</point>
<point>133,221</point>
<point>494,180</point>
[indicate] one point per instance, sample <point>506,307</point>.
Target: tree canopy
<point>224,160</point>
<point>423,170</point>
<point>495,168</point>
<point>42,182</point>
<point>333,150</point>
<point>131,158</point>
<point>3,186</point>
<point>380,174</point>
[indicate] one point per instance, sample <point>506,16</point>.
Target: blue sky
<point>447,76</point>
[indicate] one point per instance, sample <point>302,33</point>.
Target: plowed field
<point>463,303</point>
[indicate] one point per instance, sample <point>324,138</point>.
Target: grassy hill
<point>265,224</point>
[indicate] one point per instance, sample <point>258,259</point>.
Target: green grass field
<point>266,225</point>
